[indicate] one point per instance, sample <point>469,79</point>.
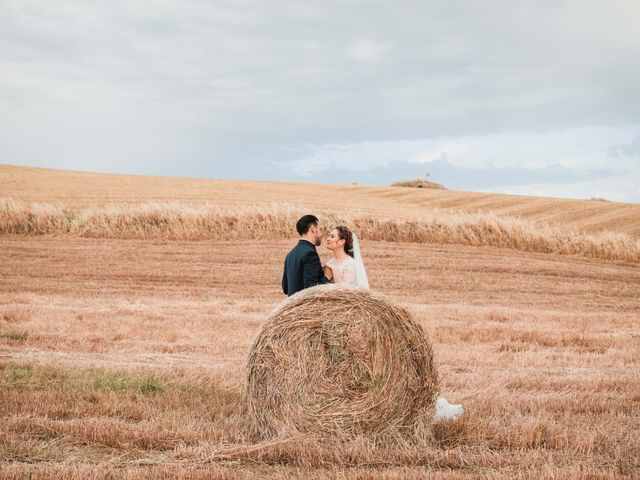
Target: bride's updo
<point>345,234</point>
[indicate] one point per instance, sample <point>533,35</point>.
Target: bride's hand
<point>328,272</point>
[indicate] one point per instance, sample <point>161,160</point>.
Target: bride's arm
<point>337,275</point>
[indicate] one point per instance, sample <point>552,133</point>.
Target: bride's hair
<point>345,234</point>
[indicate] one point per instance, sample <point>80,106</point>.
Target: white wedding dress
<point>346,268</point>
<point>352,272</point>
<point>446,410</point>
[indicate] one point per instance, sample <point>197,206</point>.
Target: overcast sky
<point>532,97</point>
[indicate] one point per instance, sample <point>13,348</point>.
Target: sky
<point>529,97</point>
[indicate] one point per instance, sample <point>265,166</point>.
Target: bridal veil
<point>361,273</point>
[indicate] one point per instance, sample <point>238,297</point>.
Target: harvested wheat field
<point>124,339</point>
<point>80,190</point>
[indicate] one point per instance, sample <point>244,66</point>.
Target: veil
<point>361,273</point>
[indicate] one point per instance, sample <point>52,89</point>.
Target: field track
<point>542,350</point>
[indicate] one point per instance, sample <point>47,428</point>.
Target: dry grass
<point>125,358</point>
<point>206,222</point>
<point>341,363</point>
<point>79,191</point>
<point>418,183</point>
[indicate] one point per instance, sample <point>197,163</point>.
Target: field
<point>79,190</point>
<point>124,357</point>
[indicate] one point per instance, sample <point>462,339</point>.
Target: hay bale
<point>338,361</point>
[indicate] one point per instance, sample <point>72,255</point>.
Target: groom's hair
<point>304,224</point>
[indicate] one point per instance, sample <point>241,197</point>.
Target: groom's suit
<point>302,268</point>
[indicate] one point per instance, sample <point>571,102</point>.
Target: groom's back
<point>302,268</point>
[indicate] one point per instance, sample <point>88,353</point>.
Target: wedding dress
<point>346,268</point>
<point>361,273</point>
<point>353,272</point>
<point>446,410</point>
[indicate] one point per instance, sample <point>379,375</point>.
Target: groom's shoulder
<point>301,248</point>
<point>296,248</point>
<point>303,244</point>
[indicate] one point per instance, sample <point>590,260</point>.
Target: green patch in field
<point>69,216</point>
<point>15,374</point>
<point>105,381</point>
<point>80,380</point>
<point>15,336</point>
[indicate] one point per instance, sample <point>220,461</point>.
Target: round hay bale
<point>334,361</point>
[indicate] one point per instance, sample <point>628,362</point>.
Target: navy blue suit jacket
<point>302,268</point>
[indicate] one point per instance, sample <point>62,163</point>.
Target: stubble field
<point>124,358</point>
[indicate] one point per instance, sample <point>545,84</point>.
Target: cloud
<point>630,149</point>
<point>578,149</point>
<point>366,50</point>
<point>613,188</point>
<point>550,180</point>
<point>501,162</point>
<point>459,177</point>
<point>231,88</point>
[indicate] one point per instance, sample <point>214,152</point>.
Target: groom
<point>302,268</point>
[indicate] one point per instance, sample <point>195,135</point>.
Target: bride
<point>346,267</point>
<point>346,264</point>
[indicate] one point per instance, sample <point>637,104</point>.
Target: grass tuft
<point>418,183</point>
<point>86,381</point>
<point>15,337</point>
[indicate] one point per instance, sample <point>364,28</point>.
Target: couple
<point>302,267</point>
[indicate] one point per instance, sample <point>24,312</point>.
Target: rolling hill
<point>77,190</point>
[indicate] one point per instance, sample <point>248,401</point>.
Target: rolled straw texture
<point>340,361</point>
